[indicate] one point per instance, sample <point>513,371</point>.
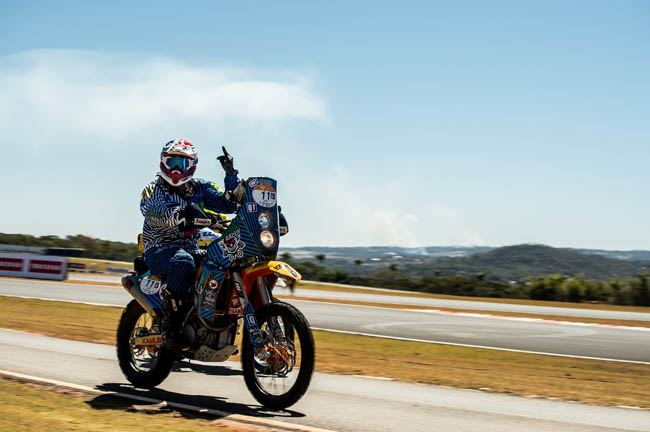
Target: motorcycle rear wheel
<point>286,377</point>
<point>143,368</point>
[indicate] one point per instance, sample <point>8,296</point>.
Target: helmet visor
<point>176,162</point>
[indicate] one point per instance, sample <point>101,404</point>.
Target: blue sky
<point>410,123</point>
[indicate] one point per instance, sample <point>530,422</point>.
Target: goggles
<point>176,162</point>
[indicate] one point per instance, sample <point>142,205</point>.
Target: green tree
<point>546,287</point>
<point>640,290</point>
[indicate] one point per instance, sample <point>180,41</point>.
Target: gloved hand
<point>190,217</point>
<point>226,162</point>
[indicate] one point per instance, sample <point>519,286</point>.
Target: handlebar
<point>237,195</point>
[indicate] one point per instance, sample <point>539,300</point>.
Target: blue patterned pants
<point>176,264</point>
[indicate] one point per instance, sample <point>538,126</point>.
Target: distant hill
<point>633,255</point>
<point>517,262</point>
<point>388,252</point>
<point>500,264</point>
<point>379,253</point>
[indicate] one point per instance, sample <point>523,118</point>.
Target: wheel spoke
<point>278,372</point>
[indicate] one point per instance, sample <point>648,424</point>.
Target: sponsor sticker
<point>264,195</point>
<point>149,340</point>
<point>150,286</point>
<point>254,182</point>
<point>231,245</point>
<point>235,307</point>
<point>251,207</point>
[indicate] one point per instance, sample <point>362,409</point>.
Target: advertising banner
<point>34,266</point>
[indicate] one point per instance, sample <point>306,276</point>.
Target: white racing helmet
<point>178,162</point>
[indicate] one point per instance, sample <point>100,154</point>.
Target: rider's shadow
<point>201,401</point>
<point>186,366</point>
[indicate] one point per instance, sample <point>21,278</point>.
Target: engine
<point>196,334</point>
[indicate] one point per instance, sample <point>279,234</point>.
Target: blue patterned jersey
<point>160,205</point>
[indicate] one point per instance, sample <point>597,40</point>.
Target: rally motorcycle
<point>234,283</point>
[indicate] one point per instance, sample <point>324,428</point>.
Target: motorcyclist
<point>170,204</point>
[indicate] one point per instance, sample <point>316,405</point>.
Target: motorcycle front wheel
<point>144,367</point>
<point>278,373</point>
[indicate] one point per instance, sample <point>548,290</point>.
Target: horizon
<point>451,246</point>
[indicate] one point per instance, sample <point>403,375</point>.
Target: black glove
<point>226,162</point>
<point>190,217</point>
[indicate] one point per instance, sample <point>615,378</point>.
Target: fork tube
<point>262,292</point>
<point>250,321</point>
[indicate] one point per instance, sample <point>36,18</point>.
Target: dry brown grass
<point>601,382</point>
<point>28,407</point>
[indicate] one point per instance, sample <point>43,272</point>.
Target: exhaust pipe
<point>131,285</point>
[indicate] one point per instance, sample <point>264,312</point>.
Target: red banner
<point>43,266</point>
<point>11,264</point>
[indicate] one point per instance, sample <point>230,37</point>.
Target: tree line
<point>93,248</point>
<point>620,291</point>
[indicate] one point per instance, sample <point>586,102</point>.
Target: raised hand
<point>226,162</point>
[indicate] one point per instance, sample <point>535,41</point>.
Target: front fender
<point>270,267</point>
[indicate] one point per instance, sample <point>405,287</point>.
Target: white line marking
<point>526,319</point>
<point>235,417</point>
<point>374,377</point>
<point>478,346</point>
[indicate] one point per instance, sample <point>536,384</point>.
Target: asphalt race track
<point>339,403</point>
<point>627,344</point>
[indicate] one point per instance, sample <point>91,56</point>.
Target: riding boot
<point>172,319</point>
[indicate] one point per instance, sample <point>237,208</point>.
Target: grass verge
<point>30,407</point>
<point>593,381</point>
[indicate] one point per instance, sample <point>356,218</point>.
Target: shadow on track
<point>216,403</point>
<point>183,366</point>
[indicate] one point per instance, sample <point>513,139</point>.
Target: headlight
<point>267,239</point>
<point>264,219</point>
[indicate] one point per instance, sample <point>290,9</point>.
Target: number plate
<point>150,286</point>
<point>264,195</point>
